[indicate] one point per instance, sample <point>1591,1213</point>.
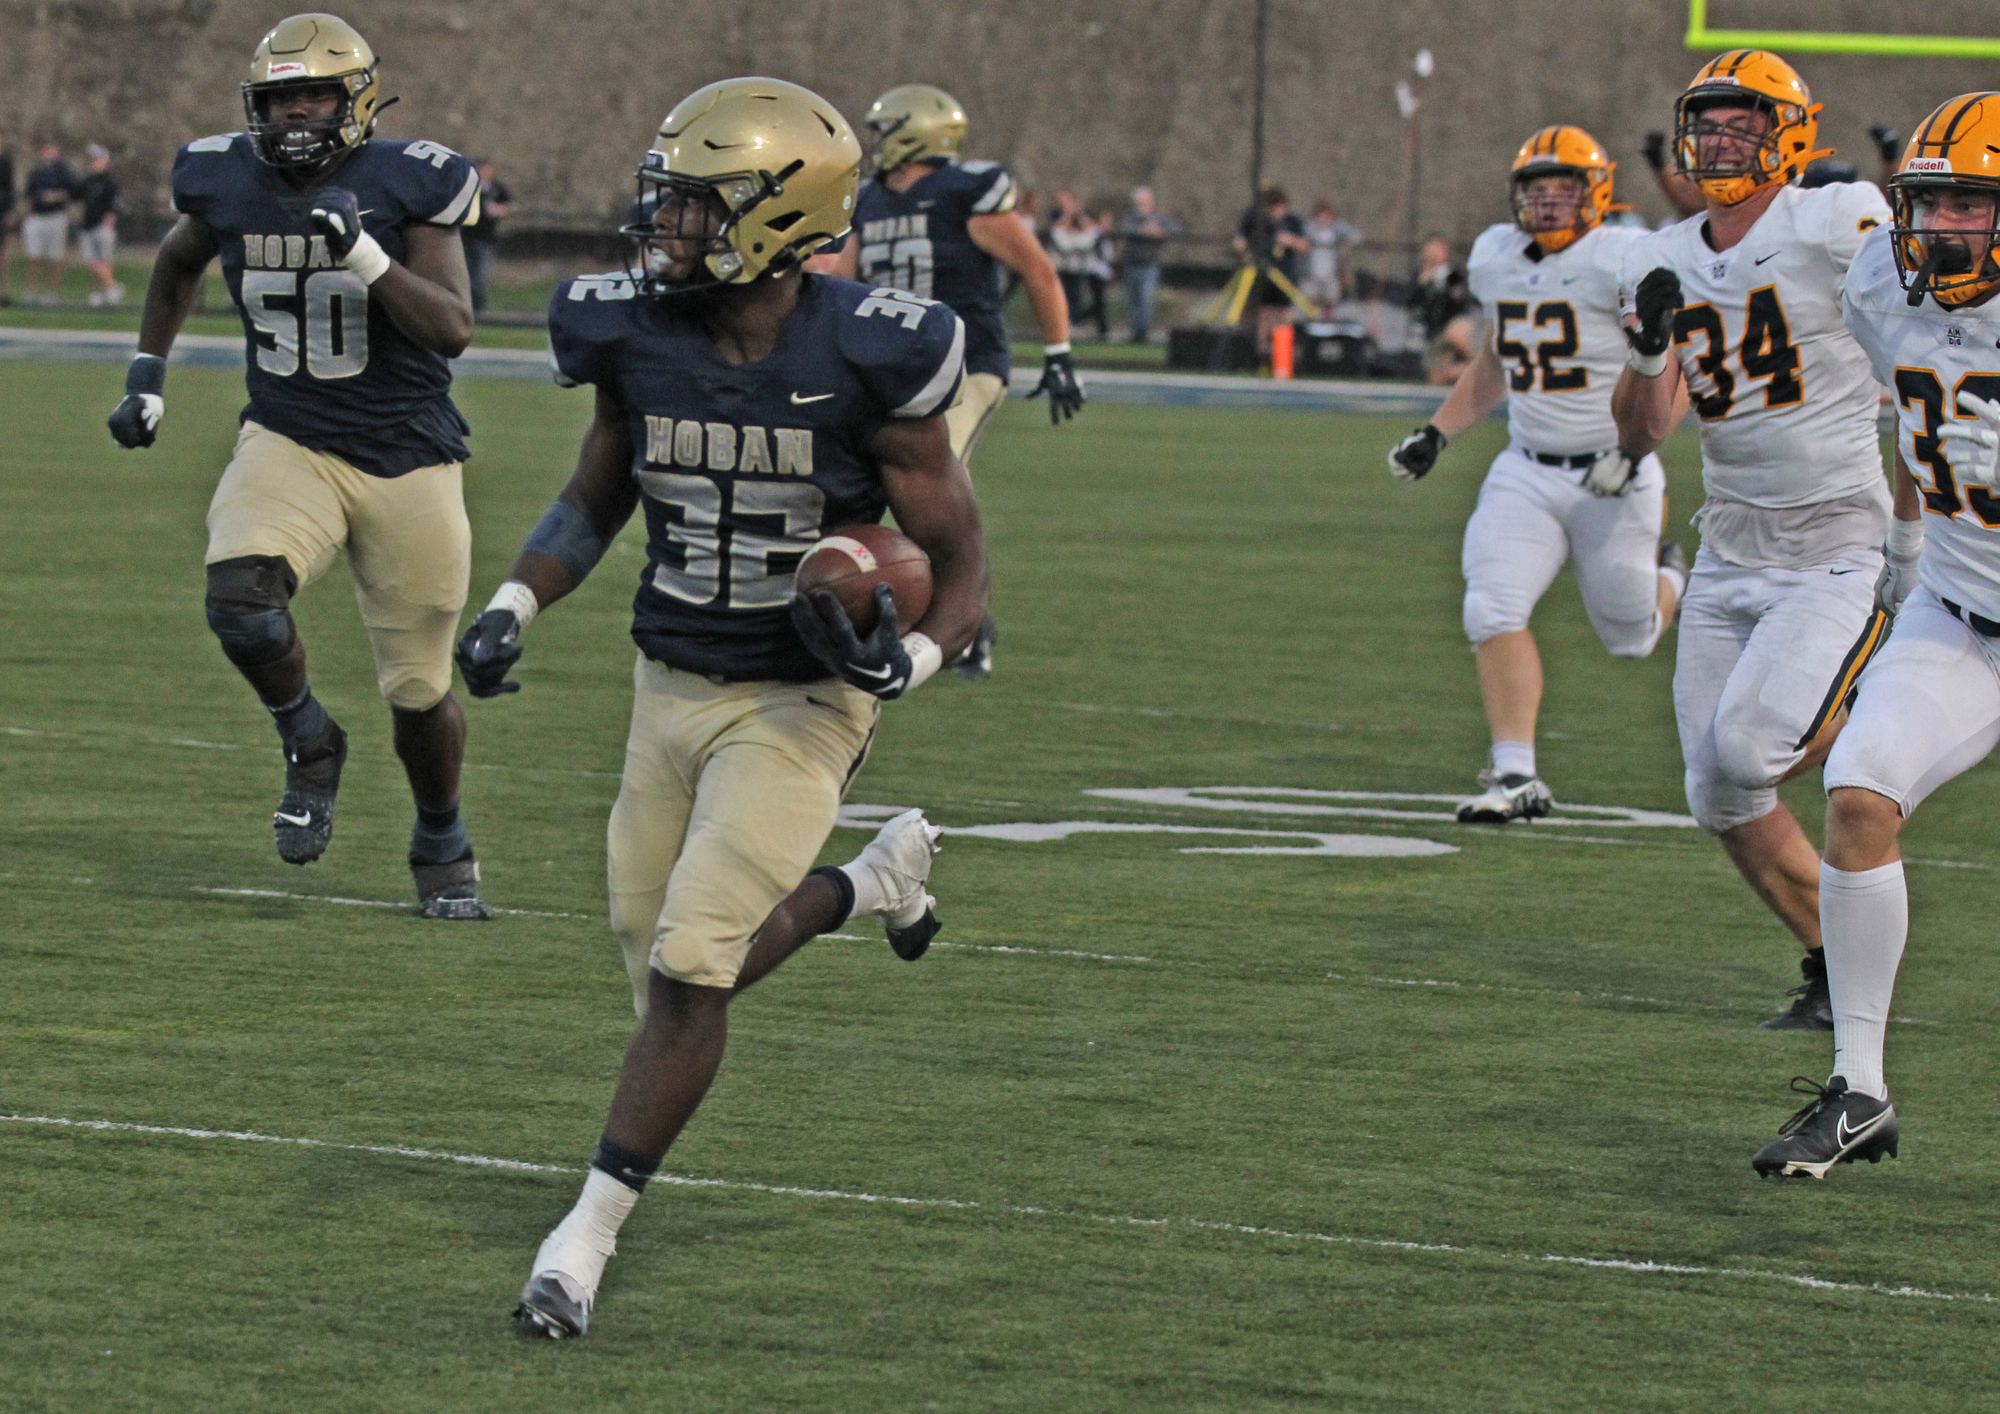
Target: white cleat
<point>1507,798</point>
<point>889,877</point>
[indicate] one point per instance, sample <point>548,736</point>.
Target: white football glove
<point>1612,474</point>
<point>1975,444</point>
<point>1899,570</point>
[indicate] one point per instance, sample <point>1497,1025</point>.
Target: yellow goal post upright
<point>1908,46</point>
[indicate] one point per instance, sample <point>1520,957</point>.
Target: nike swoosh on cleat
<point>302,821</point>
<point>815,398</point>
<point>1843,1136</point>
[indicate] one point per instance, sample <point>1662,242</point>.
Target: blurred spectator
<point>7,216</point>
<point>483,236</point>
<point>52,185</point>
<point>1145,232</point>
<point>97,226</point>
<point>1324,284</point>
<point>1073,238</point>
<point>1271,234</point>
<point>1681,192</point>
<point>1028,207</point>
<point>1442,303</point>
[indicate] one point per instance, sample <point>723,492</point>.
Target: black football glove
<point>879,664</point>
<point>488,652</point>
<point>1653,147</point>
<point>1656,302</point>
<point>1414,456</point>
<point>1059,382</point>
<point>135,422</point>
<point>336,215</point>
<point>1888,141</point>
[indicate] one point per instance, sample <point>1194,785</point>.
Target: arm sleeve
<point>578,328</point>
<point>1857,209</point>
<point>452,193</point>
<point>911,355</point>
<point>995,193</point>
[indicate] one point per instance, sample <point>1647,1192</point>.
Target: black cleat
<point>1812,1004</point>
<point>1838,1127</point>
<point>450,891</point>
<point>304,819</point>
<point>976,663</point>
<point>549,1311</point>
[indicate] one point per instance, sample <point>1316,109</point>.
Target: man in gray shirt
<point>1143,231</point>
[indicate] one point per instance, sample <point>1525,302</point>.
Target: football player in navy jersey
<point>943,228</point>
<point>342,254</point>
<point>749,407</point>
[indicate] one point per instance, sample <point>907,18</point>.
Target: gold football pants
<point>978,399</point>
<point>407,540</point>
<point>729,792</point>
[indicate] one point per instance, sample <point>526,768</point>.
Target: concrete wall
<point>1092,94</point>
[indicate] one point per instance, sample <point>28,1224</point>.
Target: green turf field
<point>1147,1130</point>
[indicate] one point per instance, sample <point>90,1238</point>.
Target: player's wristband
<point>1646,365</point>
<point>1049,350</point>
<point>1906,539</point>
<point>367,259</point>
<point>517,599</point>
<point>925,659</point>
<point>148,374</point>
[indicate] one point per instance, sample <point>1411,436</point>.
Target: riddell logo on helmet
<point>1928,164</point>
<point>288,71</point>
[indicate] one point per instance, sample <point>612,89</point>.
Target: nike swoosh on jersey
<point>815,398</point>
<point>300,820</point>
<point>1762,258</point>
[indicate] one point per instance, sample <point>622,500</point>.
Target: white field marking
<point>1949,863</point>
<point>1170,713</point>
<point>1296,800</point>
<point>1605,1264</point>
<point>868,817</point>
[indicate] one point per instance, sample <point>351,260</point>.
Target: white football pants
<point>1928,708</point>
<point>1531,518</point>
<point>1766,658</point>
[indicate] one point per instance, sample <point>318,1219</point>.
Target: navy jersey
<point>917,241</point>
<point>327,365</point>
<point>742,467</point>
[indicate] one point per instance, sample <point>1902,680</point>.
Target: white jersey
<point>1554,321</point>
<point>1926,357</point>
<point>1785,395</point>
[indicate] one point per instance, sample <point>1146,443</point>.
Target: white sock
<point>1676,579</point>
<point>1513,758</point>
<point>868,896</point>
<point>1865,919</point>
<point>584,1240</point>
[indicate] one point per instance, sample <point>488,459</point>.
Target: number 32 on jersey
<point>1922,388</point>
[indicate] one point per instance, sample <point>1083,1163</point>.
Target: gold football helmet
<point>1956,152</point>
<point>755,174</point>
<point>1564,151</point>
<point>914,122</point>
<point>1748,78</point>
<point>311,50</point>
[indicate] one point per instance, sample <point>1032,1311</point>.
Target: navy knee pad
<point>246,604</point>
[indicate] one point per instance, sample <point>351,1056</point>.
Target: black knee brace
<point>246,604</point>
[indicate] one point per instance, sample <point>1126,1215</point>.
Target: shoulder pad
<point>588,314</point>
<point>441,188</point>
<point>202,169</point>
<point>910,351</point>
<point>988,188</point>
<point>1873,276</point>
<point>1493,242</point>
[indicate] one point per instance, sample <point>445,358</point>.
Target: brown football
<point>851,560</point>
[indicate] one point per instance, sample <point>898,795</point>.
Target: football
<point>851,560</point>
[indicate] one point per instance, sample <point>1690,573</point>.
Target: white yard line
<point>1605,1264</point>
